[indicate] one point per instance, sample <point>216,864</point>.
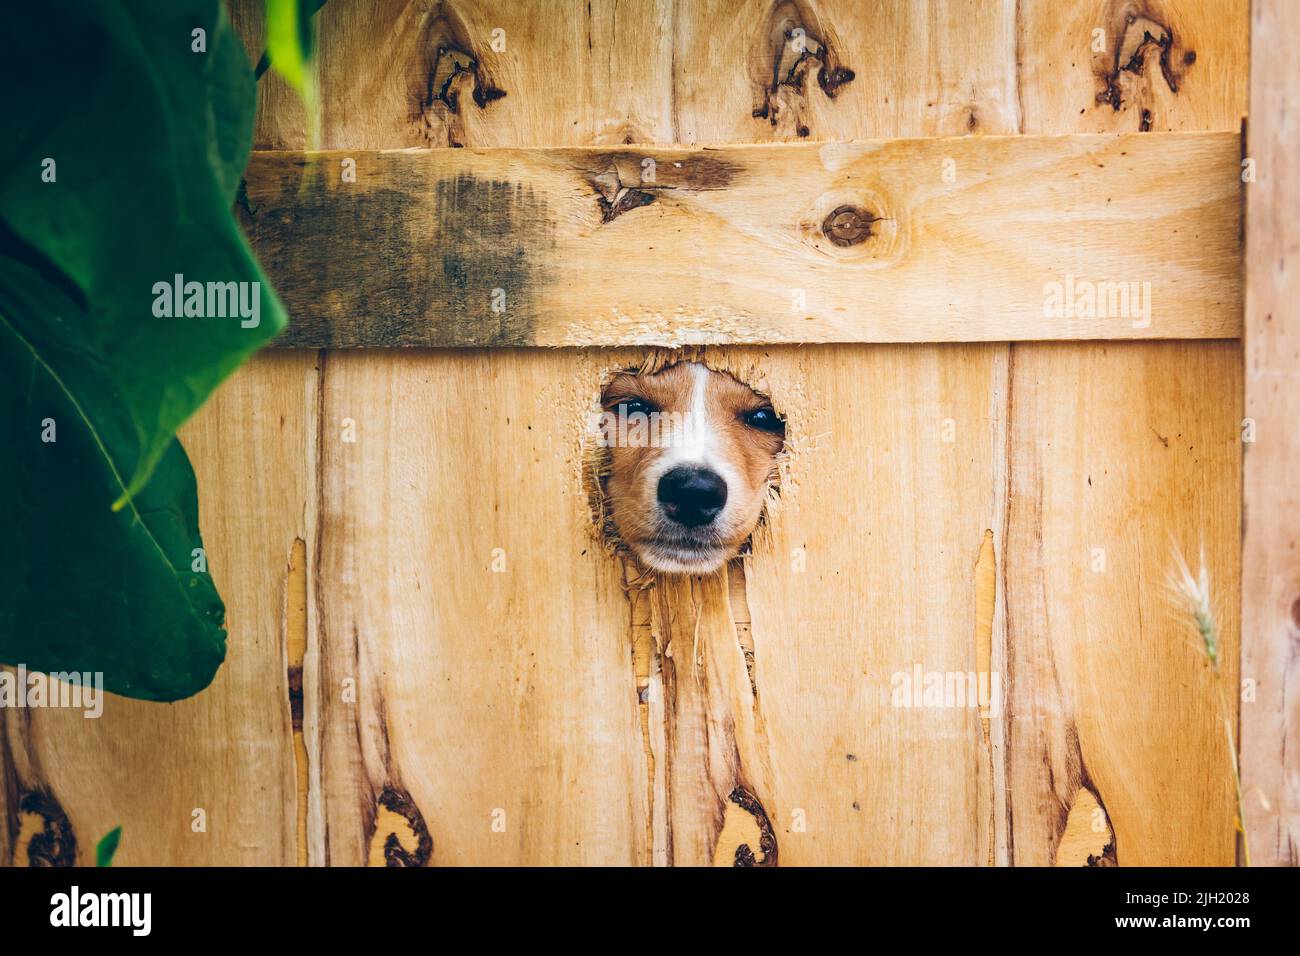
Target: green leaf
<point>289,41</point>
<point>107,847</point>
<point>149,140</point>
<point>84,587</point>
<point>306,32</point>
<point>290,45</point>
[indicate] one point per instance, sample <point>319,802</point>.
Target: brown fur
<point>745,455</point>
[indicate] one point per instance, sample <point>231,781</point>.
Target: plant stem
<point>1236,770</point>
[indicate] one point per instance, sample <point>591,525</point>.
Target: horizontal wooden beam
<point>980,238</point>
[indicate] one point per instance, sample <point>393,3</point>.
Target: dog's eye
<point>764,419</point>
<point>633,406</point>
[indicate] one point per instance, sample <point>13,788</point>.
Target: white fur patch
<point>697,443</point>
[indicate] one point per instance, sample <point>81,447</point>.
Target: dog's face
<point>693,453</point>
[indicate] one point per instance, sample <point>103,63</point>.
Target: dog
<point>692,458</point>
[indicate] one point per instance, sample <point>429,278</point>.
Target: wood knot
<point>45,834</point>
<point>747,838</point>
<point>400,837</point>
<point>847,225</point>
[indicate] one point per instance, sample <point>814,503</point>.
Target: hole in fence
<point>683,464</point>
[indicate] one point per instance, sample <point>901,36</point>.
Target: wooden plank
<point>1110,701</point>
<point>571,247</point>
<point>1095,724</point>
<point>891,69</point>
<point>1270,718</point>
<point>1128,67</point>
<point>477,697</point>
<point>866,573</point>
<point>519,72</point>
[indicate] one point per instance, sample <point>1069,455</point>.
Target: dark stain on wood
<point>797,44</point>
<point>395,854</point>
<point>241,199</point>
<point>622,200</point>
<point>690,171</point>
<point>55,844</point>
<point>745,855</point>
<point>1106,857</point>
<point>492,248</point>
<point>625,180</point>
<point>375,266</point>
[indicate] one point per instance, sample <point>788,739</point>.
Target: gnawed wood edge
<point>909,240</point>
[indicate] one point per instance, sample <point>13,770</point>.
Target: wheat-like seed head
<point>1192,591</point>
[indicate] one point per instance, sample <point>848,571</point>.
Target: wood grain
<point>1110,700</point>
<point>866,574</point>
<point>917,69</point>
<point>573,247</point>
<point>1086,720</point>
<point>1270,719</point>
<point>1132,65</point>
<point>476,681</point>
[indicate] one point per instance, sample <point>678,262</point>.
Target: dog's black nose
<point>691,495</point>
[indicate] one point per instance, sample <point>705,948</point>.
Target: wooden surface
<point>1067,712</point>
<point>539,714</point>
<point>459,586</point>
<point>226,752</point>
<point>1270,717</point>
<point>880,241</point>
<point>1110,701</point>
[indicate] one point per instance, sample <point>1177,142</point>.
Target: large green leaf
<point>149,138</point>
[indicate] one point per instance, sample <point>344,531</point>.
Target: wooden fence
<point>972,485</point>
